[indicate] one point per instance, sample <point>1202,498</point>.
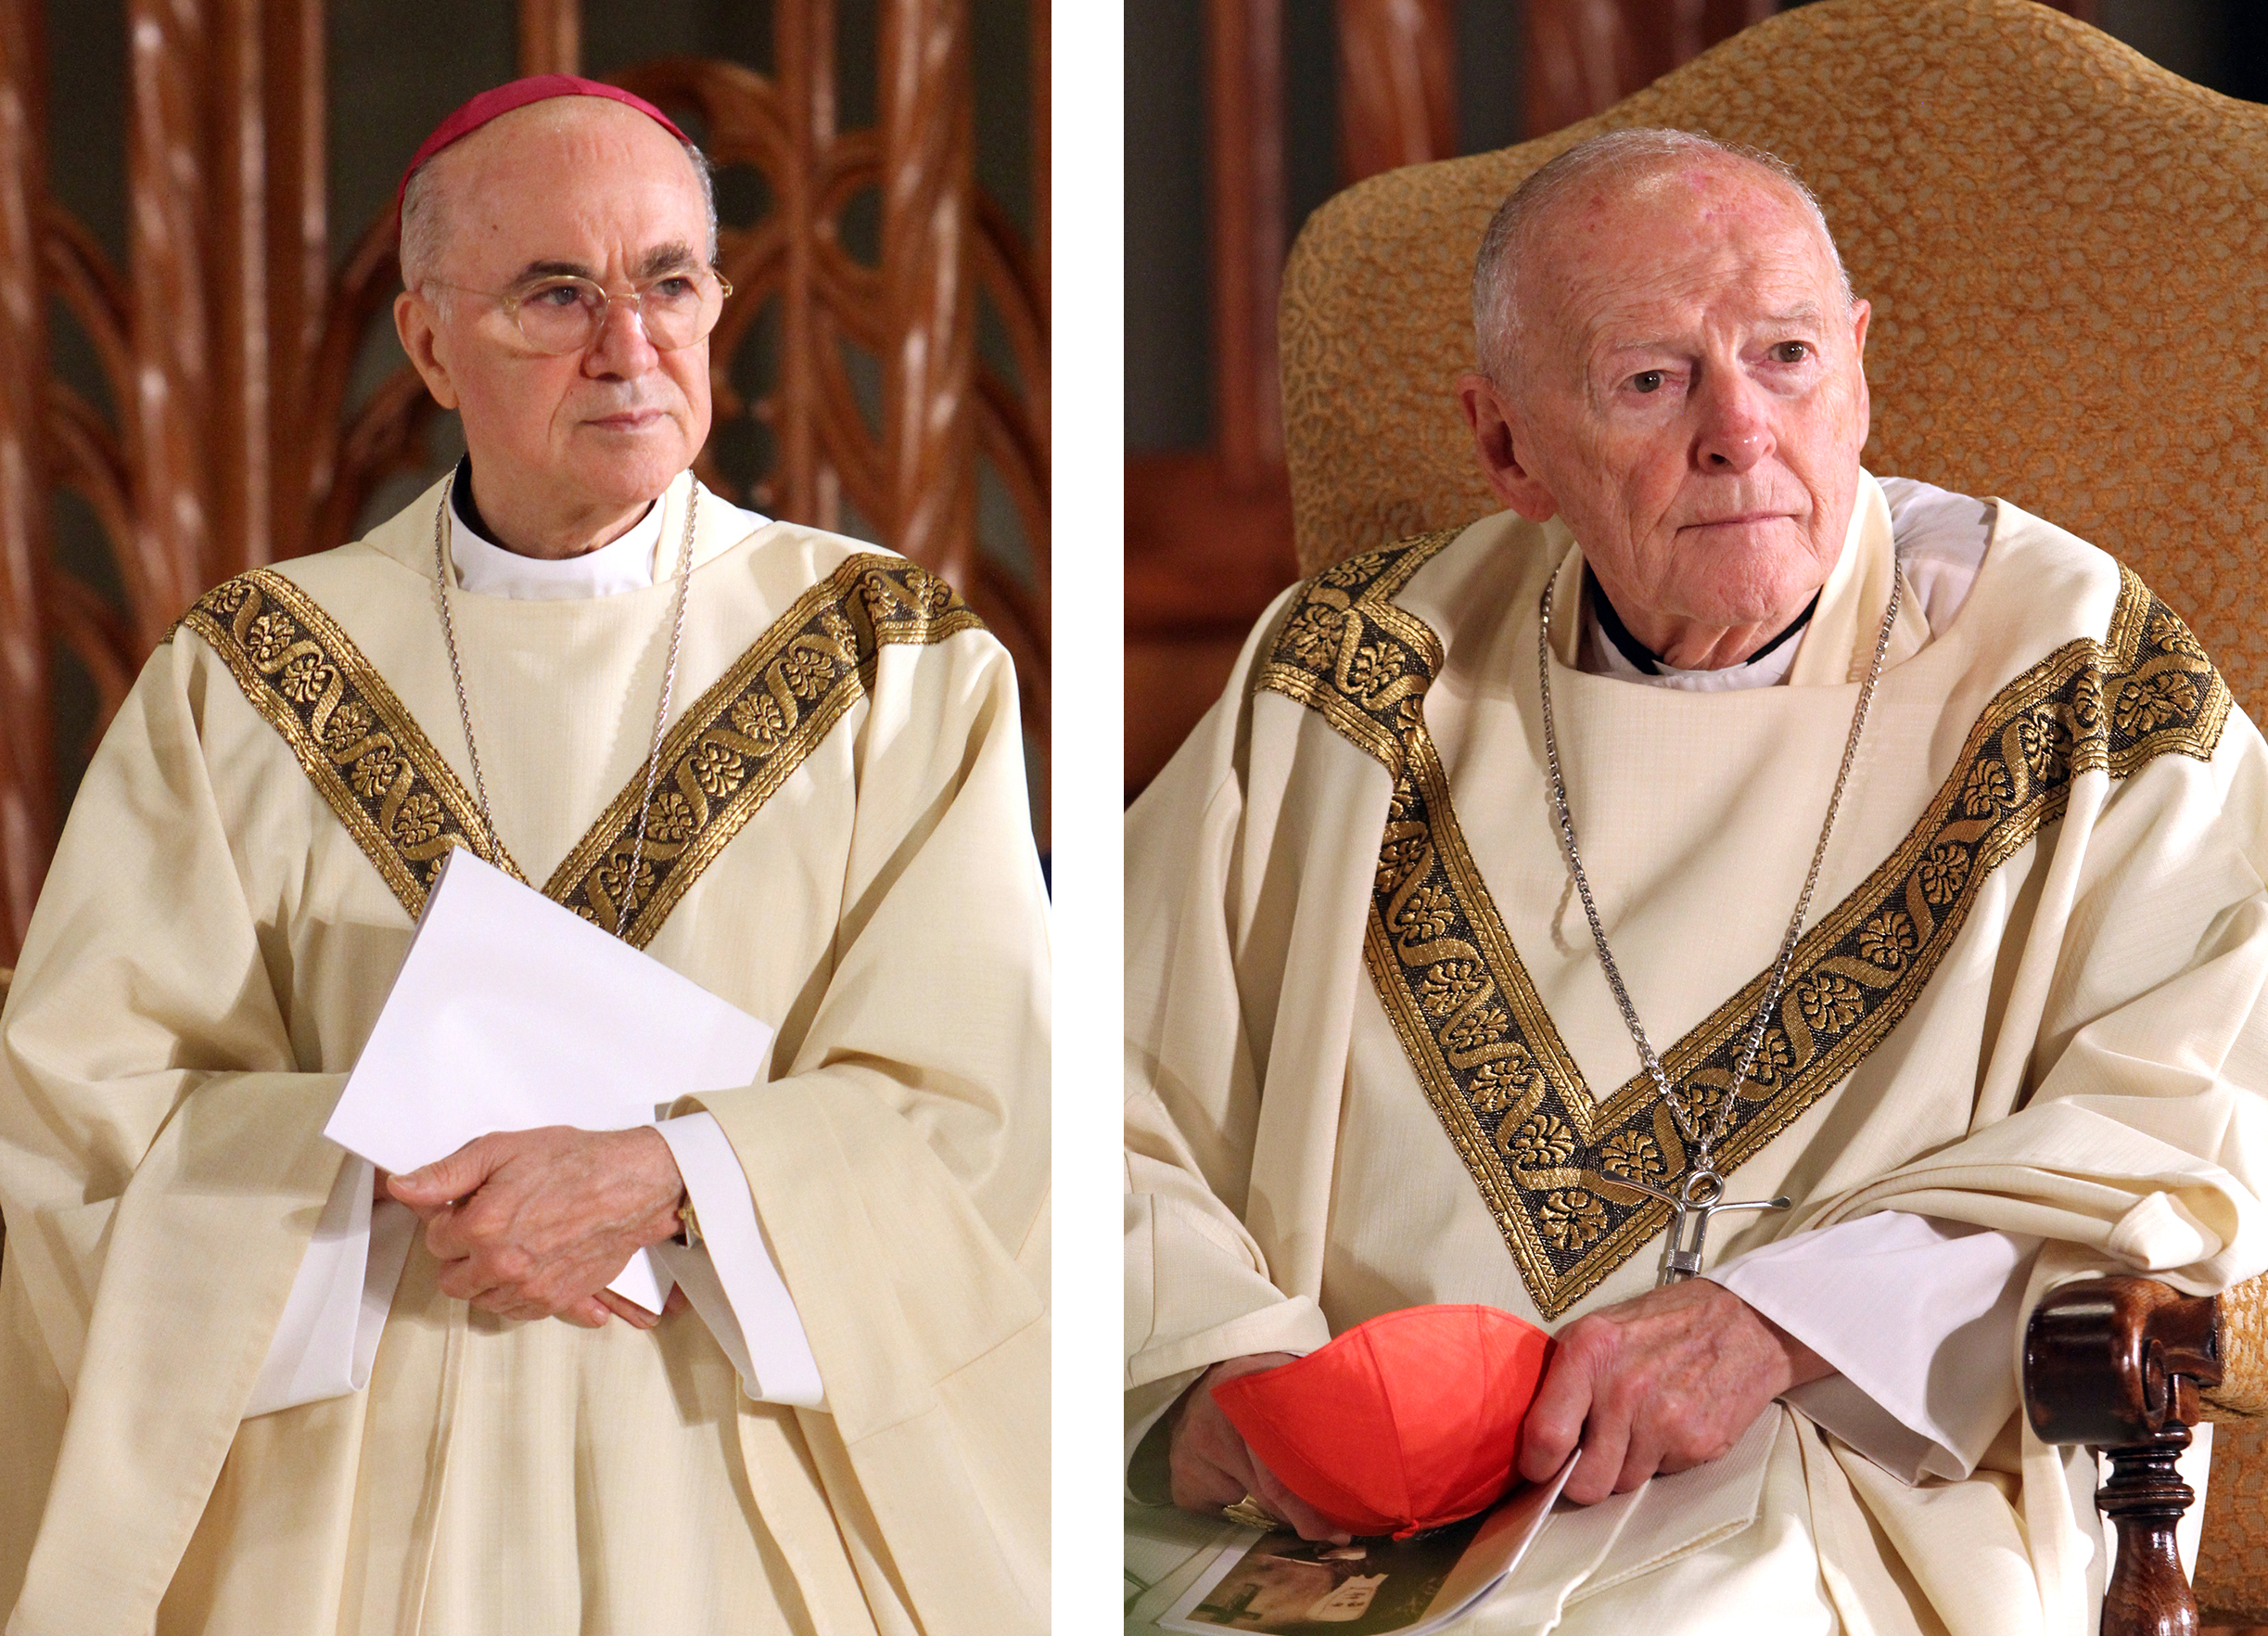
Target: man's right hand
<point>1212,1466</point>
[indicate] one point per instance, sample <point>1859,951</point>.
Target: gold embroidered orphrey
<point>724,760</point>
<point>1552,1163</point>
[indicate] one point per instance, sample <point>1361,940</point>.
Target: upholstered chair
<point>2067,251</point>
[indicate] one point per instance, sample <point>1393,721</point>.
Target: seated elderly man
<point>1719,815</point>
<point>787,765</point>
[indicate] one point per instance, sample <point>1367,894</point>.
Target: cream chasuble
<point>1373,1062</point>
<point>840,845</point>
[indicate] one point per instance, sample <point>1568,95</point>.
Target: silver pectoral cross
<point>1700,1196</point>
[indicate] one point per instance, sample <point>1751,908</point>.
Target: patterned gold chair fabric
<point>2067,250</point>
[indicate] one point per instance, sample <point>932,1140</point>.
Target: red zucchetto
<point>1405,1423</point>
<point>503,99</point>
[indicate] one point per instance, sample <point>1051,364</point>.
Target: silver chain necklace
<point>1702,1190</point>
<point>661,710</point>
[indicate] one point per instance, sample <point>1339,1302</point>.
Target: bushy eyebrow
<point>535,270</point>
<point>672,256</point>
<point>663,258</point>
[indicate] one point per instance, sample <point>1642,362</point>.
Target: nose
<point>1736,429</point>
<point>622,346</point>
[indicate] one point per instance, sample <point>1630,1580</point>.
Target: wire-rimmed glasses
<point>564,313</point>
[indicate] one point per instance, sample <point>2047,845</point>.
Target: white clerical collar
<point>485,568</point>
<point>1604,656</point>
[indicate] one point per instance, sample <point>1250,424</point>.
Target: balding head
<point>585,123</point>
<point>1516,275</point>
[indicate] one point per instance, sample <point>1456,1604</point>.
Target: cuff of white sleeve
<point>1918,1317</point>
<point>731,1278</point>
<point>336,1312</point>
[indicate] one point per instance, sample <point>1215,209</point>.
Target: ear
<point>1497,436</point>
<point>1860,312</point>
<point>418,326</point>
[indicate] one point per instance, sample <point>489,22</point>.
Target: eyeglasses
<point>568,314</point>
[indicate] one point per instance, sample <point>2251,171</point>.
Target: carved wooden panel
<point>1398,84</point>
<point>27,756</point>
<point>1586,56</point>
<point>1209,532</point>
<point>228,346</point>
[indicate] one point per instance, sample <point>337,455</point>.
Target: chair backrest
<point>2066,247</point>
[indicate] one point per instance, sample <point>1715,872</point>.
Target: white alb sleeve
<point>1917,1317</point>
<point>730,1277</point>
<point>336,1309</point>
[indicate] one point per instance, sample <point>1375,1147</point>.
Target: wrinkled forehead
<point>538,178</point>
<point>1686,233</point>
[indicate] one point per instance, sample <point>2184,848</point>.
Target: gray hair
<point>1513,232</point>
<point>424,216</point>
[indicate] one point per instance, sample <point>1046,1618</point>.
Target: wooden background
<point>217,386</point>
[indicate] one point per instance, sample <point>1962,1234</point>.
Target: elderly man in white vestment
<point>237,1396</point>
<point>1467,789</point>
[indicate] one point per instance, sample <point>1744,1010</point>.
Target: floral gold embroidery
<point>305,679</point>
<point>1887,940</point>
<point>367,758</point>
<point>716,768</point>
<point>1449,985</point>
<point>1542,1142</point>
<point>2148,704</point>
<point>1829,1001</point>
<point>1986,788</point>
<point>1472,1032</point>
<point>759,719</point>
<point>750,730</point>
<point>417,819</point>
<point>1774,1058</point>
<point>1486,1051</point>
<point>378,772</point>
<point>671,822</point>
<point>1631,1156</point>
<point>1500,1080</point>
<point>1943,871</point>
<point>1571,1218</point>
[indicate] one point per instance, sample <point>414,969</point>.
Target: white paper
<point>512,1013</point>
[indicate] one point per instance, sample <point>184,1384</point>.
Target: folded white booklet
<point>511,1012</point>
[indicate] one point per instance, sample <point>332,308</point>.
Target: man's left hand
<point>1658,1384</point>
<point>533,1223</point>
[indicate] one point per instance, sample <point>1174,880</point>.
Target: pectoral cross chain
<point>1701,1193</point>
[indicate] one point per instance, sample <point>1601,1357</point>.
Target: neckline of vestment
<point>407,538</point>
<point>784,687</point>
<point>1618,652</point>
<point>1704,753</point>
<point>486,569</point>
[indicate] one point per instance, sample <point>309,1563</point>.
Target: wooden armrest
<point>2116,1363</point>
